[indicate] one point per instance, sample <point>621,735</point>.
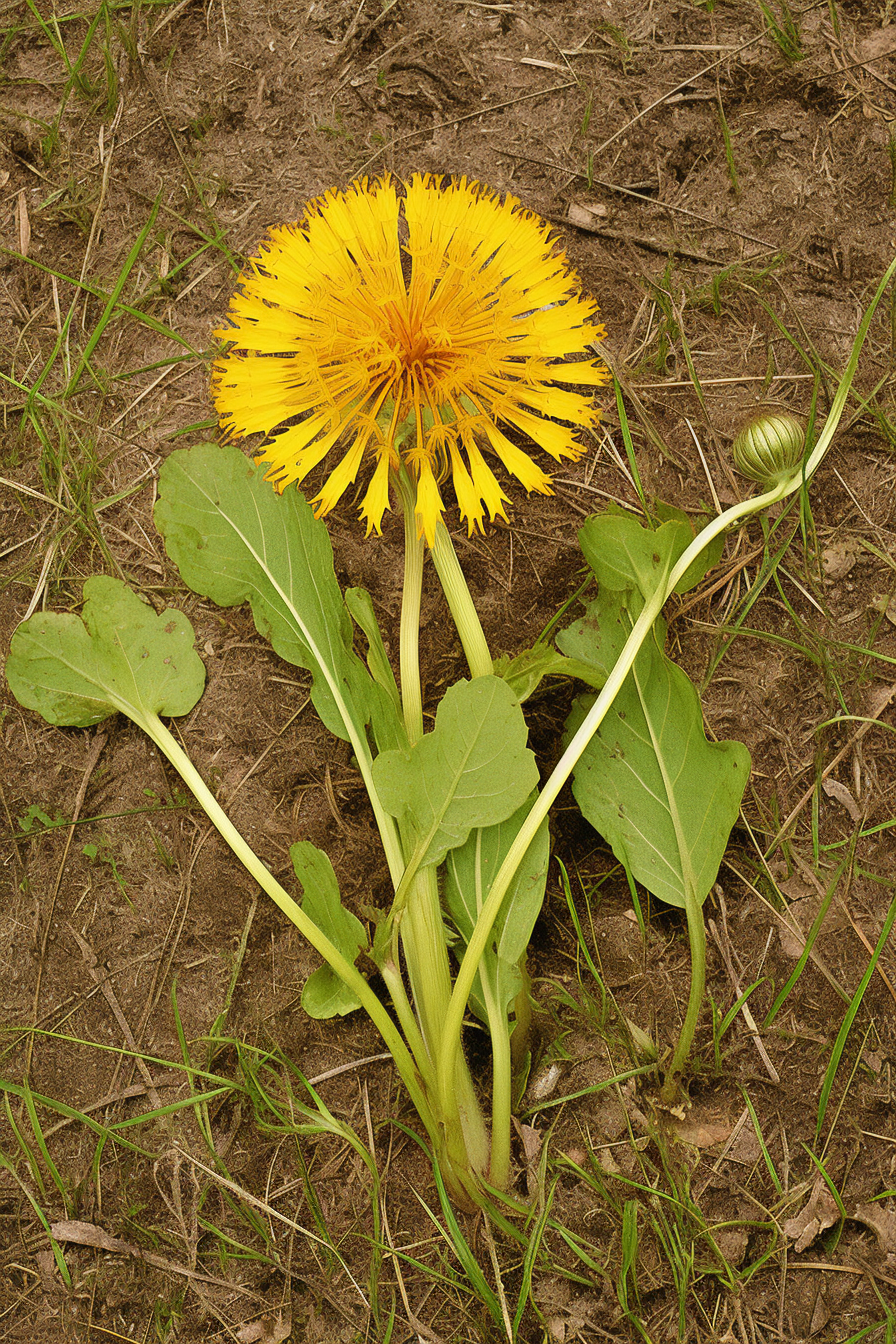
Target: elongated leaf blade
<point>386,716</point>
<point>662,795</point>
<point>473,769</point>
<point>470,871</point>
<point>324,994</point>
<point>234,539</point>
<point>118,656</point>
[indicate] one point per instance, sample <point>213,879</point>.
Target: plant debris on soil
<point>722,175</point>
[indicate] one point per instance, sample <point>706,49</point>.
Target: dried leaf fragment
<point>587,217</point>
<point>266,1330</point>
<point>702,1133</point>
<point>882,42</point>
<point>820,1213</point>
<point>834,789</point>
<point>838,558</point>
<point>886,606</point>
<point>881,1221</point>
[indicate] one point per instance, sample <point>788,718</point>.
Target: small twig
<point>242,1193</point>
<point>421,1330</point>
<point>706,471</point>
<point>664,247</point>
<point>468,116</point>
<point>637,195</point>
<point>703,593</point>
<point>348,1068</point>
<point>502,1296</point>
<point>102,982</point>
<point>88,1234</point>
<point>356,35</point>
<point>723,945</point>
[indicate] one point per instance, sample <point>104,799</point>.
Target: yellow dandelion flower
<point>410,326</point>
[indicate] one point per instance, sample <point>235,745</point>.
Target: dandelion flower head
<point>410,326</point>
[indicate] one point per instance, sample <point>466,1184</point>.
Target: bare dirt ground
<point>722,177</point>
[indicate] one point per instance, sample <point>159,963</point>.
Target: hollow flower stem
<point>409,639</point>
<point>463,1129</point>
<point>460,604</point>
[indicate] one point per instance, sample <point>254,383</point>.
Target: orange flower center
<point>423,360</point>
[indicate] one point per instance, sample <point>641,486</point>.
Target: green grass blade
<point>121,281</point>
<point>846,1026</point>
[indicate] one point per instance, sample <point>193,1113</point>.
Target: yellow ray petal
<point>527,472</point>
<point>429,507</point>
<point>555,439</point>
<point>376,500</point>
<point>296,451</point>
<point>487,487</point>
<point>340,478</point>
<point>469,498</point>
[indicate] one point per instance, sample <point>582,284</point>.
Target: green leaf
<point>624,554</point>
<point>29,819</point>
<point>662,795</point>
<point>388,719</point>
<point>324,994</point>
<point>473,769</point>
<point>234,539</point>
<point>525,671</point>
<point>470,871</point>
<point>117,656</point>
<point>360,606</point>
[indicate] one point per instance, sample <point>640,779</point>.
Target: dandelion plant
<point>401,337</point>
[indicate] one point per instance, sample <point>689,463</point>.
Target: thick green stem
<point>460,603</point>
<point>502,1089</point>
<point>407,1021</point>
<point>426,957</point>
<point>464,1138</point>
<point>409,643</point>
<point>348,973</point>
<point>697,938</point>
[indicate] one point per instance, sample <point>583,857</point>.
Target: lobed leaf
<point>117,656</point>
<point>624,554</point>
<point>473,769</point>
<point>388,727</point>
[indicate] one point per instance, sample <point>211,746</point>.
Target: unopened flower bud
<point>770,448</point>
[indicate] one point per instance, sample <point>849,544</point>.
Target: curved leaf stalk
<point>386,825</point>
<point>693,909</point>
<point>479,940</point>
<point>350,976</point>
<point>502,1088</point>
<point>458,1135</point>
